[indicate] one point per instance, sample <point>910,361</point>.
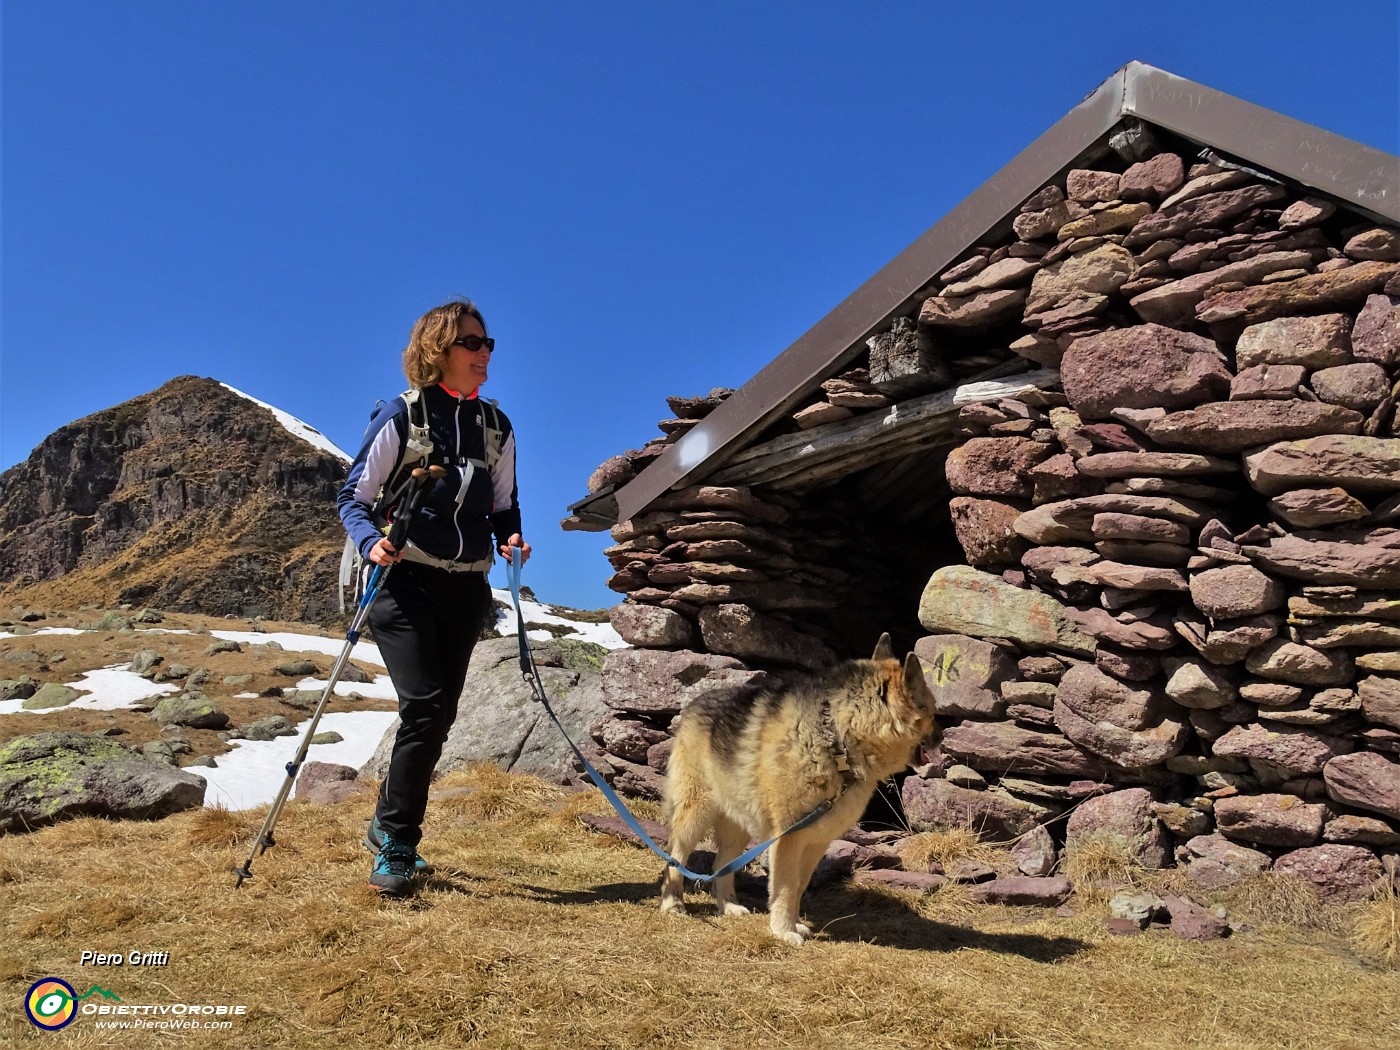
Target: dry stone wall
<point>1175,613</point>
<point>1179,617</point>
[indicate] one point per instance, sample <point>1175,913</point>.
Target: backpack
<point>416,451</point>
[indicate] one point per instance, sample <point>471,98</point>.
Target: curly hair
<point>432,336</point>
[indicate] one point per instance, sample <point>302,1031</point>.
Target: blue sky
<point>645,198</point>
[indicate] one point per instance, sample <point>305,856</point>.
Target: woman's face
<point>464,370</point>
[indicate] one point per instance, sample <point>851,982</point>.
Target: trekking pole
<point>398,533</point>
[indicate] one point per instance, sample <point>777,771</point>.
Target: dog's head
<point>907,692</point>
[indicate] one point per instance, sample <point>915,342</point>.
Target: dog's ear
<point>884,649</point>
<point>916,684</point>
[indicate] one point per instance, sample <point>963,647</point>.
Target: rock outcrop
<point>189,498</point>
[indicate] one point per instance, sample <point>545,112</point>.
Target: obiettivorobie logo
<point>52,1003</point>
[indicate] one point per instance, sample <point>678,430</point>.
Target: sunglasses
<point>474,343</point>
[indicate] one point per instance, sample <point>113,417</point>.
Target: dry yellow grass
<point>1376,929</point>
<point>537,932</point>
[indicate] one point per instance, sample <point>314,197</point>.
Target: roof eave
<point>1366,178</point>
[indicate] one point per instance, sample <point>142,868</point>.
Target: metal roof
<point>1364,179</point>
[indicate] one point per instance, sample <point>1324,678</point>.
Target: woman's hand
<point>520,544</point>
<point>383,554</point>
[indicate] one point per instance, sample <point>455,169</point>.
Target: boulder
<point>1214,862</point>
<point>985,529</point>
<point>963,600</point>
<point>1192,922</point>
<point>1198,684</point>
<point>1312,508</point>
<point>1232,592</point>
<point>1100,271</point>
<point>1005,748</point>
<point>499,719</point>
<point>1023,890</point>
<point>1375,337</point>
<point>195,711</point>
<point>659,683</point>
<point>1361,831</point>
<point>1268,383</point>
<point>1309,295</point>
<point>1132,749</point>
<point>1284,661</point>
<point>1283,752</point>
<point>994,466</point>
<point>743,632</point>
<point>1147,366</point>
<point>1380,700</point>
<point>965,674</point>
<point>1233,426</point>
<point>1174,303</point>
<point>327,783</point>
<point>1093,695</point>
<point>1368,558</point>
<point>50,695</point>
<point>1360,387</point>
<point>1152,633</point>
<point>1355,463</point>
<point>984,309</point>
<point>651,627</point>
<point>1271,820</point>
<point>1154,464</point>
<point>1072,520</point>
<point>1209,211</point>
<point>1035,853</point>
<point>50,777</point>
<point>1312,342</point>
<point>931,805</point>
<point>1127,815</point>
<point>1365,780</point>
<point>1337,872</point>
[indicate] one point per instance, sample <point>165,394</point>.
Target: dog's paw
<point>794,934</point>
<point>673,907</point>
<point>734,908</point>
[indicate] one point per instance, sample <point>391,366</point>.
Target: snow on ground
<point>43,630</point>
<point>305,643</point>
<point>309,434</point>
<point>252,773</point>
<point>108,688</point>
<point>601,633</point>
<point>380,689</point>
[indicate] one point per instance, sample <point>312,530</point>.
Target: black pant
<point>425,622</point>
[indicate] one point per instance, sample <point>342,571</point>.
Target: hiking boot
<point>392,873</point>
<point>374,840</point>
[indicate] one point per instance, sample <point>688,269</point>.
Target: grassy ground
<point>537,932</point>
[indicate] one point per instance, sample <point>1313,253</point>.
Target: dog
<point>748,768</point>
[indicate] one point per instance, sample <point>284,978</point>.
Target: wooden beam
<point>837,449</point>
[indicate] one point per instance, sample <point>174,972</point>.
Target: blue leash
<point>527,669</point>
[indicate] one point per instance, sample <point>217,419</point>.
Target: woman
<point>431,607</point>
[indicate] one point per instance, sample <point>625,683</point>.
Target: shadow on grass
<point>849,914</point>
<point>840,913</point>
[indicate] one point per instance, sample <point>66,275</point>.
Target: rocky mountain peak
<point>189,497</point>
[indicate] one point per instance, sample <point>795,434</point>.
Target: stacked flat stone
<point>725,592</point>
<point>1182,593</point>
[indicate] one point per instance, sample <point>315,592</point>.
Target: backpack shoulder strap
<point>493,433</point>
<point>417,445</point>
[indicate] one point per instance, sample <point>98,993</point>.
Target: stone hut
<point>1114,448</point>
